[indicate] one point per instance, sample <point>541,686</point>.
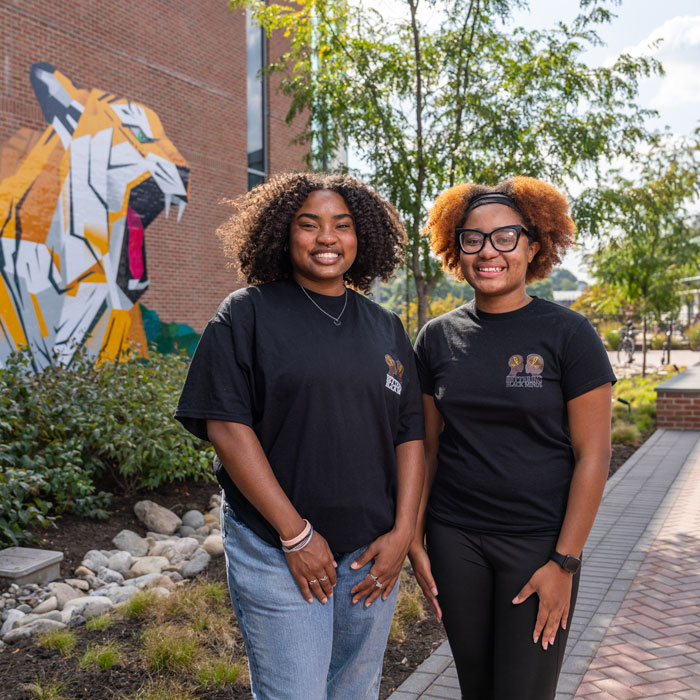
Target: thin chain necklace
<point>336,319</point>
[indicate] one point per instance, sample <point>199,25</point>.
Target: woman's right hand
<point>313,569</point>
<point>424,575</point>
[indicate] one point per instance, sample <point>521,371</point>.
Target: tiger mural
<point>75,202</point>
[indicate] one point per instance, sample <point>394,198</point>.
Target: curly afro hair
<point>257,235</point>
<point>545,211</point>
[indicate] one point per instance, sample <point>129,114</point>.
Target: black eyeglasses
<point>503,239</point>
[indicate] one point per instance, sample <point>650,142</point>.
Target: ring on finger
<point>373,577</point>
<point>321,580</point>
<point>312,581</point>
<point>378,584</point>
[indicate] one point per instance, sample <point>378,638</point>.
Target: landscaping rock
<point>160,592</point>
<point>12,621</point>
<point>161,581</point>
<point>32,629</point>
<point>121,562</point>
<point>149,565</point>
<point>46,606</point>
<point>24,608</point>
<point>129,541</point>
<point>185,531</point>
<point>94,559</point>
<point>31,617</point>
<point>211,520</point>
<point>143,581</point>
<point>156,517</point>
<point>120,594</point>
<point>78,583</point>
<point>204,531</point>
<point>213,545</point>
<point>195,565</point>
<point>83,571</point>
<point>63,593</point>
<point>109,575</point>
<point>193,518</point>
<point>88,607</point>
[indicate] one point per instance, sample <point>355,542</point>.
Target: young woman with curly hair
<point>309,393</point>
<point>516,396</point>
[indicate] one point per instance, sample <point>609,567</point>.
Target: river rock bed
<point>174,549</point>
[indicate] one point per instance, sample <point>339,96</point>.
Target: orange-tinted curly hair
<point>257,235</point>
<point>545,210</point>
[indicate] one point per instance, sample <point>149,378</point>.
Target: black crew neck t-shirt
<point>328,403</point>
<point>501,383</point>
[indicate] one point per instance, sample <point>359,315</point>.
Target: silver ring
<point>312,581</point>
<point>321,580</point>
<point>378,584</point>
<point>374,578</point>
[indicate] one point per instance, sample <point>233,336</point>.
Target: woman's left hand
<point>389,553</point>
<point>553,587</point>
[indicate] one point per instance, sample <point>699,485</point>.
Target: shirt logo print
<point>533,367</point>
<point>394,376</point>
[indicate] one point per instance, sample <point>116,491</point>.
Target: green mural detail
<point>168,337</point>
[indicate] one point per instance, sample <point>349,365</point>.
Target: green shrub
<point>611,335</point>
<point>693,336</point>
<point>69,428</point>
<point>625,434</point>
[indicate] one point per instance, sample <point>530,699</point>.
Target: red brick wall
<point>187,62</point>
<point>678,410</point>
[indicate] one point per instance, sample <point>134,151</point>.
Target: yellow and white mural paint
<point>75,202</point>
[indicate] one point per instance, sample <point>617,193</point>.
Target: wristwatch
<point>566,561</point>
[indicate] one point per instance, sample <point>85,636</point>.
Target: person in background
<point>517,396</point>
<point>309,393</point>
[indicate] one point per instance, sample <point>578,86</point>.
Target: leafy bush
<point>610,332</point>
<point>68,429</point>
<point>693,336</point>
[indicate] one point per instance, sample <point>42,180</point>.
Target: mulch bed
<point>26,663</point>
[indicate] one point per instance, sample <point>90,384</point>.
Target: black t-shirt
<point>328,403</point>
<point>501,383</point>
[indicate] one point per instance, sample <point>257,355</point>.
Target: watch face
<point>571,564</point>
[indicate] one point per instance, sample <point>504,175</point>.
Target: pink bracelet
<point>299,537</point>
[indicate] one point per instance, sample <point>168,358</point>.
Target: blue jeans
<point>298,650</point>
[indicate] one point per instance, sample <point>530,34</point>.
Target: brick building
<point>188,63</point>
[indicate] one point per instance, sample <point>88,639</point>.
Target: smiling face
<point>322,242</point>
<point>498,278</point>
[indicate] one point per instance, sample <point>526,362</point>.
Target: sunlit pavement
<point>680,358</point>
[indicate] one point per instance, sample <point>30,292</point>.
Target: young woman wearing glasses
<point>517,394</point>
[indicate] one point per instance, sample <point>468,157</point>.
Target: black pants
<point>477,577</point>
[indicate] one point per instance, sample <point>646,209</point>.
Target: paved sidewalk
<point>639,597</point>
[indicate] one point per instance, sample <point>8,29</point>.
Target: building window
<point>255,99</point>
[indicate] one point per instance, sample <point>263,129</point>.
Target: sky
<point>639,23</point>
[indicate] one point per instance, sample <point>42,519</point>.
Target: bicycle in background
<point>625,353</point>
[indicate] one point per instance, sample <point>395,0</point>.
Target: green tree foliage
<point>563,280</point>
<point>647,241</point>
<point>542,289</point>
<point>453,95</point>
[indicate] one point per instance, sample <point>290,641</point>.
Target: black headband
<point>492,198</point>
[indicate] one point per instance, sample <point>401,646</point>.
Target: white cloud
<point>675,34</point>
<point>680,85</point>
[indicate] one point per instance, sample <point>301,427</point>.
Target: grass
<point>45,690</point>
<point>104,656</point>
<point>170,647</point>
<point>218,672</point>
<point>99,623</point>
<point>635,418</point>
<point>63,641</point>
<point>139,604</point>
<point>409,608</point>
<point>164,690</point>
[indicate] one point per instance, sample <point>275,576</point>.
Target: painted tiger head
<point>75,202</point>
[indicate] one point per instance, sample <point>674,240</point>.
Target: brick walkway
<point>636,629</point>
<point>652,647</point>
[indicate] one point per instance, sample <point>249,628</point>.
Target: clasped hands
<point>314,568</point>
